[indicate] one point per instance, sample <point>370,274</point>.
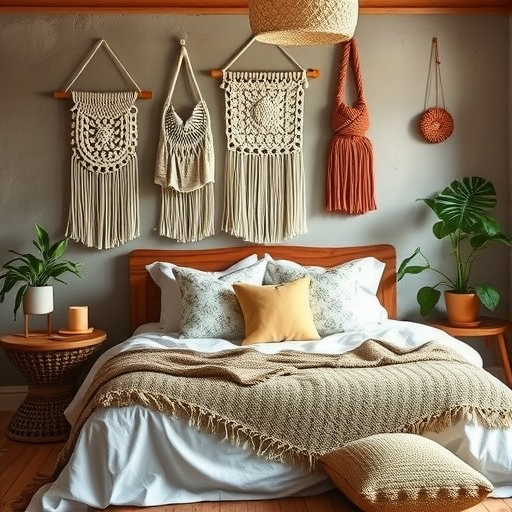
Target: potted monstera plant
<point>34,273</point>
<point>463,218</point>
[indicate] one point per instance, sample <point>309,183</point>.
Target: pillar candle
<point>78,318</point>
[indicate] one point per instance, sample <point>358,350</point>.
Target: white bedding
<point>120,457</point>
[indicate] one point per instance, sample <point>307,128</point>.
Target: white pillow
<point>170,301</point>
<point>210,308</point>
<point>343,298</point>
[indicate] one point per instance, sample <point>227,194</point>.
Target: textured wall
<point>39,54</point>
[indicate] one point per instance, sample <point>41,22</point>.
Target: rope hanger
<point>65,94</point>
<point>434,72</point>
<point>218,73</point>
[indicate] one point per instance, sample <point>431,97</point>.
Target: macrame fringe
<point>487,418</point>
<point>21,503</point>
<point>187,216</point>
<point>262,445</point>
<point>211,423</point>
<point>104,206</point>
<point>264,196</point>
<point>275,449</point>
<point>350,180</point>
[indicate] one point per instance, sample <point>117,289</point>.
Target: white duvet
<point>135,456</point>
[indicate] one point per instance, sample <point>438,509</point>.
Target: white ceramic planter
<point>38,300</point>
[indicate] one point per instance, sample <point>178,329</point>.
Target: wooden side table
<point>51,367</point>
<point>489,328</point>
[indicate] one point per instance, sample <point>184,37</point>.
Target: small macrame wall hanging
<point>264,194</point>
<point>185,166</point>
<point>436,123</point>
<point>104,203</point>
<point>350,177</point>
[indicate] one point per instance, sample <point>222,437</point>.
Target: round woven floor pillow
<point>436,125</point>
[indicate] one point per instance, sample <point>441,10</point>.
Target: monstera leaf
<point>465,205</point>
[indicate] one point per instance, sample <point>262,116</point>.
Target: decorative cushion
<point>276,312</point>
<point>404,473</point>
<point>343,297</point>
<point>210,308</point>
<point>170,302</point>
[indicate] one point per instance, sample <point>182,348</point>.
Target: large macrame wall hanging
<point>185,167</point>
<point>264,195</point>
<point>104,203</point>
<point>350,178</point>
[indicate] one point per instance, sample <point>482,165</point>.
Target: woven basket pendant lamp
<point>303,22</point>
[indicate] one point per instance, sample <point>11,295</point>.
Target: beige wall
<point>39,53</point>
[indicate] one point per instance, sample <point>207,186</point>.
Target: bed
<point>148,453</point>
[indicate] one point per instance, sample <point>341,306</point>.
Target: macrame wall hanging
<point>350,179</point>
<point>104,203</point>
<point>436,123</point>
<point>185,167</point>
<point>264,195</point>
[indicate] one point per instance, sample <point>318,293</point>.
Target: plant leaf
<point>488,296</point>
<point>464,205</point>
<point>57,250</point>
<point>441,230</point>
<point>427,298</point>
<point>43,241</point>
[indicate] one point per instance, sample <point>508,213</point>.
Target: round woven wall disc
<point>436,125</point>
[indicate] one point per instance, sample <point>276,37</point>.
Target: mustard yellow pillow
<point>404,473</point>
<point>276,312</point>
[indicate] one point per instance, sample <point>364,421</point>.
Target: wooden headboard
<point>145,294</point>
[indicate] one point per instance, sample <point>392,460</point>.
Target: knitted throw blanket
<point>264,189</point>
<point>104,204</point>
<point>292,406</point>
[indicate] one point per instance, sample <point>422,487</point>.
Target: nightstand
<point>492,329</point>
<point>51,367</point>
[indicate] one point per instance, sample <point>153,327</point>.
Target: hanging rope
<point>350,182</point>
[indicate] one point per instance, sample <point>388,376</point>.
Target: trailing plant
<point>463,218</point>
<point>36,269</point>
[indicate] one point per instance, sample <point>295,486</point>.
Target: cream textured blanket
<point>294,406</point>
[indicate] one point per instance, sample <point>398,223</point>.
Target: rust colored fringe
<point>350,180</point>
<point>22,501</point>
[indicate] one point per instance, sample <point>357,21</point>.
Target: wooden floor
<point>20,462</point>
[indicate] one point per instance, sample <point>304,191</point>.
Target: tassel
<point>350,183</point>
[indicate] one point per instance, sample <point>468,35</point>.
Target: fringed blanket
<point>295,406</point>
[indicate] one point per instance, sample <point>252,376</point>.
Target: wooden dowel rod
<point>310,73</point>
<point>62,95</point>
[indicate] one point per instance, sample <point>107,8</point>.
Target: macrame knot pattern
<point>185,141</point>
<point>104,134</point>
<point>265,111</point>
<point>104,205</point>
<point>264,195</point>
<point>351,119</point>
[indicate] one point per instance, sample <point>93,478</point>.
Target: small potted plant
<point>35,273</point>
<point>463,218</point>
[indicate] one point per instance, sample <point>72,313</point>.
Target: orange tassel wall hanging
<point>350,180</point>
